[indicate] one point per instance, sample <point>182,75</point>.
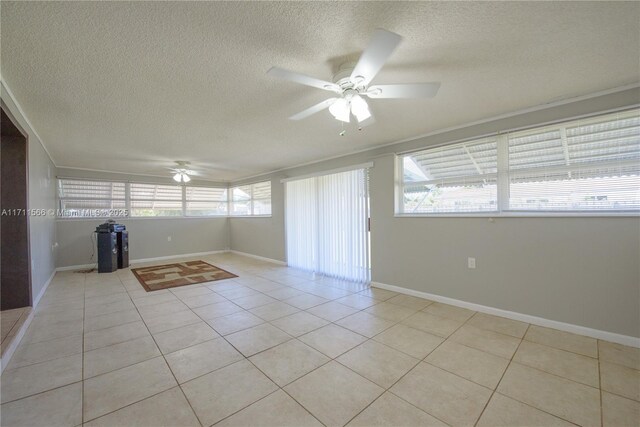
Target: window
<point>206,201</point>
<point>586,165</point>
<point>253,199</point>
<point>80,198</point>
<point>86,199</point>
<point>457,178</point>
<point>589,165</point>
<point>155,200</point>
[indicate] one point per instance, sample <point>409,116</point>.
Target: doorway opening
<point>15,271</point>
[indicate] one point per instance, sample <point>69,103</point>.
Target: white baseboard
<point>76,267</point>
<point>6,357</point>
<point>534,320</point>
<point>140,260</point>
<point>164,258</point>
<point>37,299</point>
<point>274,261</point>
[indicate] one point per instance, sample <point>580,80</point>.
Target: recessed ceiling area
<point>132,87</point>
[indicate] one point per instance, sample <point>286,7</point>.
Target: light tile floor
<point>280,347</point>
<point>10,323</point>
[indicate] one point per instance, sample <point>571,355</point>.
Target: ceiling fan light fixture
<point>360,108</point>
<point>340,110</point>
<point>181,177</point>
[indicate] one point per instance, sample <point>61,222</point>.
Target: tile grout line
<point>600,383</point>
<point>517,400</point>
<point>166,363</point>
<point>253,364</point>
<point>138,401</point>
<point>296,338</point>
<point>420,360</point>
<point>84,308</point>
<point>292,338</point>
<point>501,377</point>
<point>350,292</point>
<point>239,352</point>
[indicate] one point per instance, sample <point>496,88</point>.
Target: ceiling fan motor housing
<point>343,78</point>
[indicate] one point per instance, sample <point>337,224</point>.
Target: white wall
<point>583,271</point>
<point>42,230</point>
<point>148,238</point>
<point>262,236</point>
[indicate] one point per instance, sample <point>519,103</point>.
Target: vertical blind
<point>327,225</point>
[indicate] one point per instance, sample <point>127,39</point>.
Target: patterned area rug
<point>180,274</point>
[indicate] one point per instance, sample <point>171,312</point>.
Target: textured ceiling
<point>130,87</point>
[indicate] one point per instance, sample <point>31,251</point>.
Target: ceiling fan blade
<point>408,90</point>
<point>380,48</point>
<point>292,76</point>
<point>312,110</point>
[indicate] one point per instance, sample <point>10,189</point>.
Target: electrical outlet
<point>168,238</point>
<point>471,262</point>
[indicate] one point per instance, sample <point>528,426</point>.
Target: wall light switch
<point>168,238</point>
<point>471,262</point>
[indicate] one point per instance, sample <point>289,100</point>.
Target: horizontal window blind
<point>585,165</point>
<point>456,178</point>
<point>253,199</point>
<point>80,198</point>
<point>90,198</point>
<point>206,201</point>
<point>155,200</point>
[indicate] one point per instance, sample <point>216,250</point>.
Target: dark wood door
<point>15,276</point>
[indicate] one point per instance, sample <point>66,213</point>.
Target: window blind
<point>585,165</point>
<point>80,198</point>
<point>456,178</point>
<point>155,200</point>
<point>206,201</point>
<point>252,199</point>
<point>327,225</point>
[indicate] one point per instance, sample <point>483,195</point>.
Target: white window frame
<point>251,200</point>
<point>503,182</point>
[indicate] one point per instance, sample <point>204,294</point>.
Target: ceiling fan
<point>351,83</point>
<point>181,173</point>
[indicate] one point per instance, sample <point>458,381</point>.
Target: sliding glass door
<point>327,225</point>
